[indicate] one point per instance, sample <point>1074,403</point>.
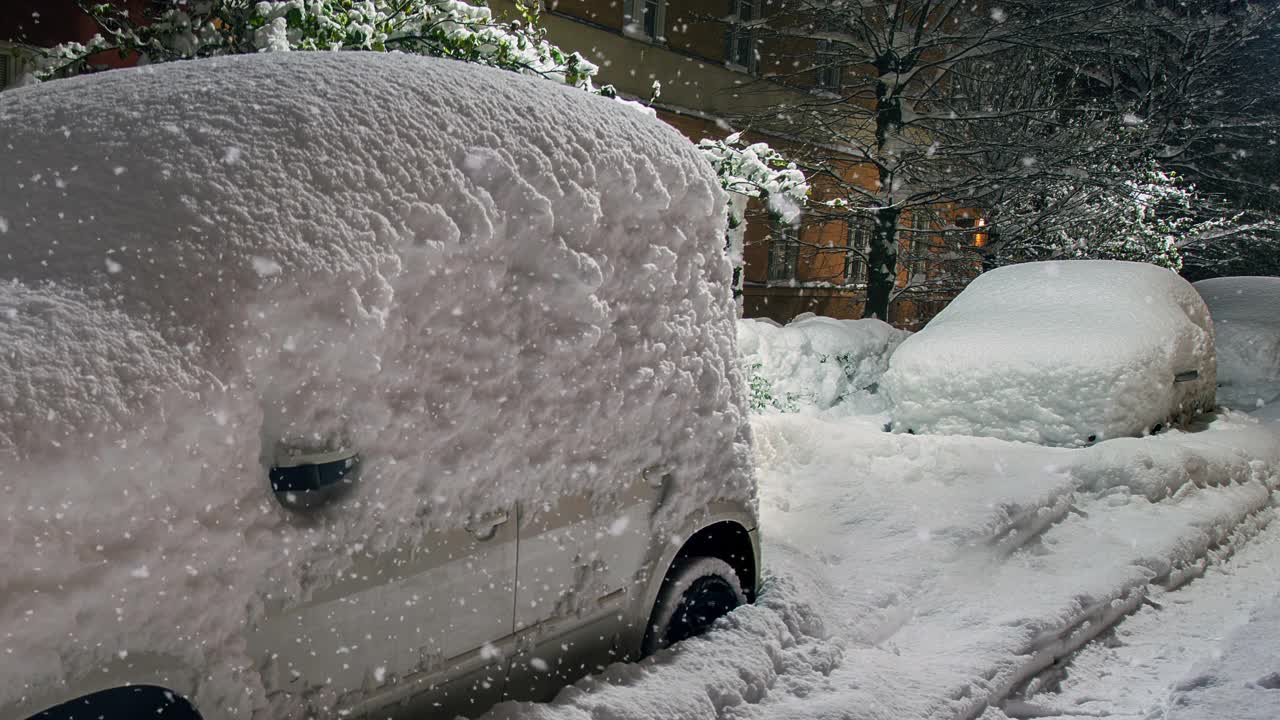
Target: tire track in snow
<point>1134,671</point>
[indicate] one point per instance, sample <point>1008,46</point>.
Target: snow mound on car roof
<point>1059,353</point>
<point>449,268</point>
<point>816,363</point>
<point>1246,327</point>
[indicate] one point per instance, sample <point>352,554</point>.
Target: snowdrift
<point>1058,353</point>
<point>1246,327</point>
<point>816,363</point>
<point>477,280</point>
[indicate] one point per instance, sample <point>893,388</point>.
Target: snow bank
<point>477,280</point>
<point>1246,327</point>
<point>816,363</point>
<point>1058,353</point>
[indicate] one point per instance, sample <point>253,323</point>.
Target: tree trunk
<point>882,264</point>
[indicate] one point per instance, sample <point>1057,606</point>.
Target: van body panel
<point>415,616</point>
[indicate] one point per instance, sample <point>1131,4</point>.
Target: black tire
<point>696,592</point>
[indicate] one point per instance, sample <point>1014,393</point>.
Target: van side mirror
<point>303,481</point>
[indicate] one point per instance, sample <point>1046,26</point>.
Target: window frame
<point>826,74</point>
<point>921,227</point>
<point>739,37</point>
<point>634,14</point>
<point>8,66</point>
<point>857,255</point>
<point>784,253</point>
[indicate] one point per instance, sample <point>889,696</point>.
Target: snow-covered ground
<point>934,576</point>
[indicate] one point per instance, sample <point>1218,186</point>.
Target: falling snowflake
<point>266,267</point>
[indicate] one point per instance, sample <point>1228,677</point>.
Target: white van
<point>336,383</point>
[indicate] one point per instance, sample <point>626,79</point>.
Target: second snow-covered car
<point>1246,327</point>
<point>346,385</point>
<point>1060,353</point>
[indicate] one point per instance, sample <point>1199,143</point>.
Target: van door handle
<point>486,526</point>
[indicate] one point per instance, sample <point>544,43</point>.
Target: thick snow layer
<point>925,577</point>
<point>816,363</point>
<point>479,281</point>
<point>1246,327</point>
<point>1058,353</point>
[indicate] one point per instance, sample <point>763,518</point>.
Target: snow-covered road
<point>931,577</point>
<point>1204,650</point>
<point>1188,654</point>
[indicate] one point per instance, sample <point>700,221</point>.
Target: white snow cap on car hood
<point>493,287</point>
<point>1057,353</point>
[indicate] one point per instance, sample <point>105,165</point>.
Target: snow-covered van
<point>343,383</point>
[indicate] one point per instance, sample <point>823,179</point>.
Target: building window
<point>784,252</point>
<point>972,232</point>
<point>828,73</point>
<point>8,69</point>
<point>858,243</point>
<point>740,47</point>
<point>645,18</point>
<point>920,245</point>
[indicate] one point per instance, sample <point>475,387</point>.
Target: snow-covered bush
<point>754,171</point>
<point>758,171</point>
<point>1144,219</point>
<point>1058,353</point>
<point>816,363</point>
<point>444,28</point>
<point>1246,330</point>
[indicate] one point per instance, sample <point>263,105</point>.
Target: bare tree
<point>954,104</point>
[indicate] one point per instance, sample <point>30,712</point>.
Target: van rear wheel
<point>124,703</point>
<point>696,592</point>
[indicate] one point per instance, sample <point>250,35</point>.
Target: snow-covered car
<point>1058,353</point>
<point>1246,327</point>
<point>346,384</point>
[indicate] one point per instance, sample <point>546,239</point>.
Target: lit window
<point>972,231</point>
<point>740,47</point>
<point>645,18</point>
